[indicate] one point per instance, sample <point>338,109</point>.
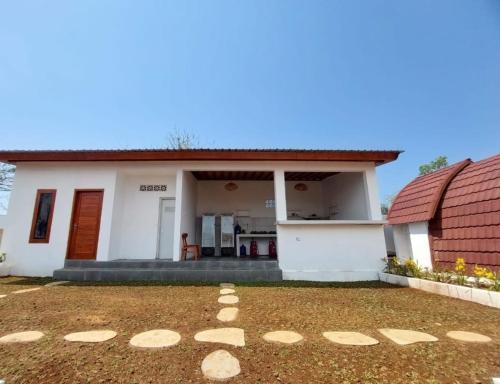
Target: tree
<point>6,177</point>
<point>438,163</point>
<point>182,140</point>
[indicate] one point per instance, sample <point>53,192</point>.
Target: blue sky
<point>422,76</point>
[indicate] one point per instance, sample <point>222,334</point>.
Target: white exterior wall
<point>402,241</point>
<point>136,216</point>
<point>331,252</point>
<point>129,218</point>
<point>188,208</point>
<point>40,259</point>
<point>419,240</point>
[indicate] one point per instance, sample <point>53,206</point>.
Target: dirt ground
<point>309,310</point>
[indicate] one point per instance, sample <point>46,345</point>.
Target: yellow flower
<point>460,265</point>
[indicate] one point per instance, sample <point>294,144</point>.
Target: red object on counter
<point>272,249</point>
<point>254,249</point>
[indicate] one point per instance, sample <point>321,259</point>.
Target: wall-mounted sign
<point>153,188</point>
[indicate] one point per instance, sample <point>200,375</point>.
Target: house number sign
<point>153,188</point>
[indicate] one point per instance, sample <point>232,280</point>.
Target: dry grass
<point>309,310</point>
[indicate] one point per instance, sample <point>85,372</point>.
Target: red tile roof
<point>376,156</point>
<point>467,222</point>
<point>419,199</point>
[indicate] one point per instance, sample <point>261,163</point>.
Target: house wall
<point>189,206</point>
<point>347,193</point>
<point>250,196</point>
<point>331,252</point>
<point>129,218</point>
<point>41,259</point>
<point>402,241</point>
<point>419,240</point>
<point>136,216</point>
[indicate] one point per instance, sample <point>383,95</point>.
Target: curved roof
<point>467,222</point>
<point>419,200</point>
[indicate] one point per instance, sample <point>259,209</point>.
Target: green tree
<point>438,163</point>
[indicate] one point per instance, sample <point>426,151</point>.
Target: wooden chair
<point>189,248</point>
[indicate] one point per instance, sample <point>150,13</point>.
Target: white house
<point>321,207</point>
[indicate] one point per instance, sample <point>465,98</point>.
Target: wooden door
<point>85,222</point>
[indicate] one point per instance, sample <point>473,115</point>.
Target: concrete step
<point>166,264</point>
<point>167,274</point>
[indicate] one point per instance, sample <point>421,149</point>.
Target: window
<point>42,215</point>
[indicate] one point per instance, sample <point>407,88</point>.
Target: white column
<point>419,239</point>
<point>280,194</point>
<point>176,252</point>
<point>372,194</point>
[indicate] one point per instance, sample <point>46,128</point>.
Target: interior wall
<point>136,230</point>
<point>305,203</point>
<point>250,196</point>
<point>346,192</point>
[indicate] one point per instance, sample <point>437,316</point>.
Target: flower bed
<point>463,292</point>
<point>482,288</point>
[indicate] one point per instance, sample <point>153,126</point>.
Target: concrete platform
<point>215,269</point>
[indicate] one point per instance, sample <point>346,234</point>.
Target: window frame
<point>46,239</point>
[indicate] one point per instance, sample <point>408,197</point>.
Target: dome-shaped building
<point>450,213</point>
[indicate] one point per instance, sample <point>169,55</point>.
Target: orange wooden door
<point>85,222</point>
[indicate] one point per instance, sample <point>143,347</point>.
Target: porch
<point>216,269</point>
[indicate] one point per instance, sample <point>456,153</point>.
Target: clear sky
<point>422,76</point>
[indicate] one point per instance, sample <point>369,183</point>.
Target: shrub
<point>413,269</point>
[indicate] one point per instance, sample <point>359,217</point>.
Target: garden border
<point>476,295</point>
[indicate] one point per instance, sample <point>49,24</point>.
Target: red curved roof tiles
<point>466,219</point>
<point>419,199</point>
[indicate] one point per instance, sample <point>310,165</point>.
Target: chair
<point>189,248</point>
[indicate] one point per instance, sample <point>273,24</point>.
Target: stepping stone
<point>54,283</point>
<point>285,337</point>
<point>21,337</point>
<point>231,336</point>
<point>2,296</point>
<point>91,336</point>
<point>27,290</point>
<point>228,299</point>
<point>157,338</point>
<point>470,337</point>
<point>227,291</point>
<point>228,314</point>
<point>405,337</point>
<point>226,285</point>
<point>350,338</point>
<point>220,365</point>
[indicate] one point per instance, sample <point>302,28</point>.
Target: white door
<point>166,231</point>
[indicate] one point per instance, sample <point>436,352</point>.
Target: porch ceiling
<point>260,175</point>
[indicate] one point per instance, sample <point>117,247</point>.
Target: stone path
<point>470,337</point>
<point>231,336</point>
<point>91,336</point>
<point>405,337</point>
<point>228,299</point>
<point>284,337</point>
<point>56,283</point>
<point>350,338</point>
<point>27,290</point>
<point>21,337</point>
<point>220,365</point>
<point>228,314</point>
<point>2,296</point>
<point>156,338</point>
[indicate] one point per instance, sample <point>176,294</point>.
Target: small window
<point>270,203</point>
<point>42,215</point>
